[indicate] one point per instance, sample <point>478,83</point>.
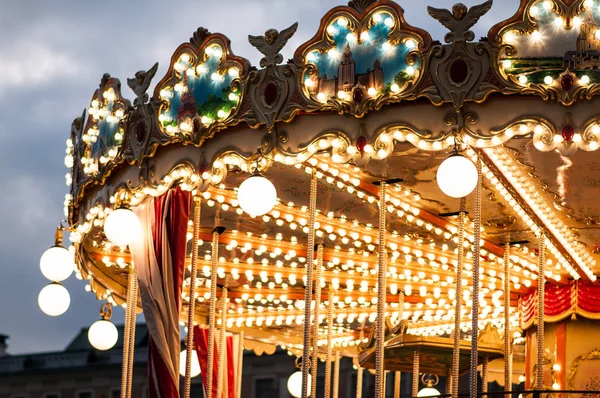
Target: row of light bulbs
<point>252,210</point>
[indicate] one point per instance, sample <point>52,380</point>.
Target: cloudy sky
<point>52,56</point>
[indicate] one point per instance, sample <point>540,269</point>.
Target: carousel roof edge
<point>208,89</point>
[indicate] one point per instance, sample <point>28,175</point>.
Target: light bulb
<point>428,392</point>
<point>294,384</point>
<point>122,227</point>
<point>103,335</point>
<point>54,299</point>
<point>257,195</point>
<point>195,369</point>
<point>56,264</point>
<point>457,176</point>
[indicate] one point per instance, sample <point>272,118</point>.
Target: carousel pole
<point>222,340</point>
<point>507,345</point>
<point>132,309</point>
<point>212,309</point>
<point>415,372</point>
<point>312,209</point>
<point>240,367</point>
<point>329,345</point>
<point>397,384</point>
<point>475,306</point>
<point>484,374</point>
<point>381,297</point>
<point>189,347</point>
<point>458,298</point>
<point>336,374</point>
<point>315,346</point>
<point>539,385</point>
<point>397,375</point>
<point>359,371</point>
<point>129,334</point>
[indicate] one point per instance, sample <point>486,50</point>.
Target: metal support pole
<point>211,311</point>
<point>484,374</point>
<point>381,297</point>
<point>312,209</point>
<point>507,340</point>
<point>240,367</point>
<point>458,298</point>
<point>336,375</point>
<point>189,347</point>
<point>475,307</point>
<point>317,312</point>
<point>540,326</point>
<point>329,344</point>
<point>397,376</point>
<point>222,341</point>
<point>359,371</point>
<point>415,375</point>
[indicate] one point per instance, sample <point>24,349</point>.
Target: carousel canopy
<point>369,98</point>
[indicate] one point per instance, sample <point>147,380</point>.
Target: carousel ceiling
<point>368,98</point>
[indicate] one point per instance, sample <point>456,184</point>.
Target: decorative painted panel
<point>359,60</point>
<point>551,48</point>
<point>201,91</point>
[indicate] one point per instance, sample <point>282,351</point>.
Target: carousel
<point>417,206</point>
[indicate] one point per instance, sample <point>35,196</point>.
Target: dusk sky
<point>52,57</point>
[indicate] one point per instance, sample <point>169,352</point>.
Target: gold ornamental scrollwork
<point>592,355</point>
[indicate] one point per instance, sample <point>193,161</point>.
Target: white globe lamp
<point>103,335</point>
<point>54,299</point>
<point>294,384</point>
<point>257,195</point>
<point>195,370</point>
<point>122,227</point>
<point>430,382</point>
<point>57,263</point>
<point>428,392</point>
<point>457,176</point>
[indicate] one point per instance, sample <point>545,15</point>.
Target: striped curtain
<point>160,260</point>
<point>230,357</point>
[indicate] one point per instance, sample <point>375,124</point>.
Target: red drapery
<point>160,260</point>
<point>577,298</point>
<point>201,345</point>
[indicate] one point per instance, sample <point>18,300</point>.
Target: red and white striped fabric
<point>231,361</point>
<point>160,260</point>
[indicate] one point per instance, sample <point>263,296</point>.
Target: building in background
<point>83,372</point>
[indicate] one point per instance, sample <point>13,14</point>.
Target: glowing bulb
<point>57,264</point>
<point>548,80</point>
<point>294,384</point>
<point>410,70</point>
<point>257,195</point>
<point>457,176</point>
<point>122,227</point>
<point>372,92</point>
<point>54,299</point>
<point>410,44</point>
<point>534,11</point>
<point>585,79</point>
<point>195,370</point>
<point>103,335</point>
<point>507,64</point>
<point>343,22</point>
<point>523,79</point>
